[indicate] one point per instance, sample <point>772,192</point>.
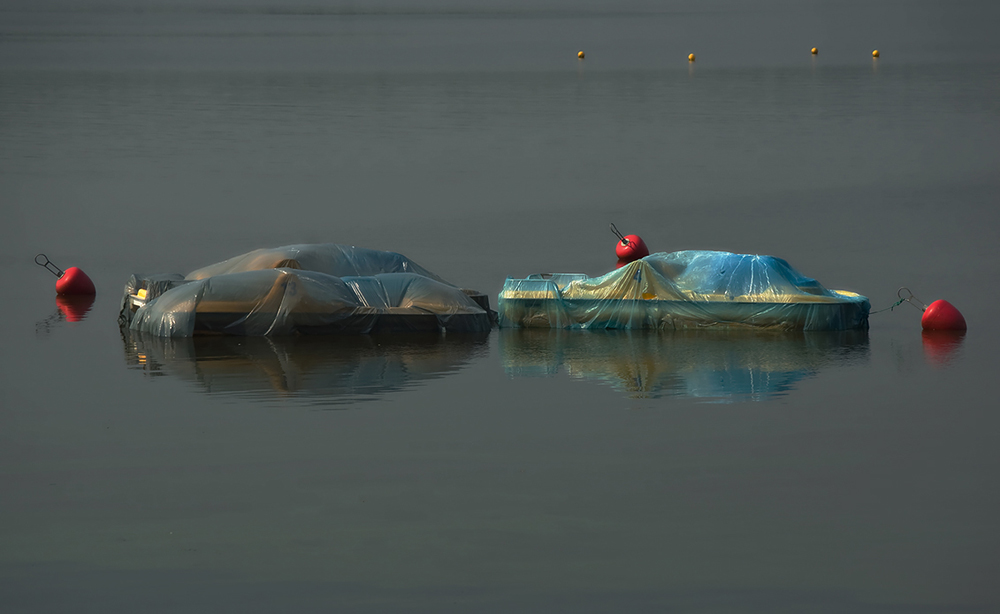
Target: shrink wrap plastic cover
<point>303,289</point>
<point>329,258</point>
<point>290,301</point>
<point>687,289</point>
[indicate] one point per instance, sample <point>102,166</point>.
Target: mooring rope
<point>903,299</point>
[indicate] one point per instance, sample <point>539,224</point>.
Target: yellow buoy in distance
<point>580,55</point>
<point>814,51</point>
<point>875,53</point>
<point>691,58</point>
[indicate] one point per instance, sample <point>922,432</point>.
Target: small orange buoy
<point>942,315</point>
<point>814,51</point>
<point>875,53</point>
<point>580,54</point>
<point>691,57</point>
<point>72,281</point>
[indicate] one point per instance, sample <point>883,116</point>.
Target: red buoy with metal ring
<point>942,315</point>
<point>629,247</point>
<point>73,281</point>
<point>939,315</point>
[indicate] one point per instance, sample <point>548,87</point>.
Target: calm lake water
<point>537,471</point>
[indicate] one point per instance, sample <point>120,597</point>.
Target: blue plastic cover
<point>679,290</point>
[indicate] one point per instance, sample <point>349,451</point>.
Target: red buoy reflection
<point>942,346</point>
<point>74,307</point>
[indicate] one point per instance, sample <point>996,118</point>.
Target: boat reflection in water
<point>318,370</point>
<point>713,366</point>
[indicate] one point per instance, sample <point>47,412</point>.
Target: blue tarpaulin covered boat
<point>680,290</point>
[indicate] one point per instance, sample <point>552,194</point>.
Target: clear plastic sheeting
<point>302,289</point>
<point>329,258</point>
<point>285,301</point>
<point>681,290</point>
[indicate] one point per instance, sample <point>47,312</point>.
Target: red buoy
<point>75,282</point>
<point>629,247</point>
<point>942,315</point>
<point>72,281</point>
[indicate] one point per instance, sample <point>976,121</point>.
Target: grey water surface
<point>529,471</point>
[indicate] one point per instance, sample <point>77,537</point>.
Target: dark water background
<point>517,471</point>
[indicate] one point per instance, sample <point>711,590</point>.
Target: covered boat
<point>302,289</point>
<point>681,290</point>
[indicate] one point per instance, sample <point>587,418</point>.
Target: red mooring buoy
<point>942,315</point>
<point>73,281</point>
<point>629,247</point>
